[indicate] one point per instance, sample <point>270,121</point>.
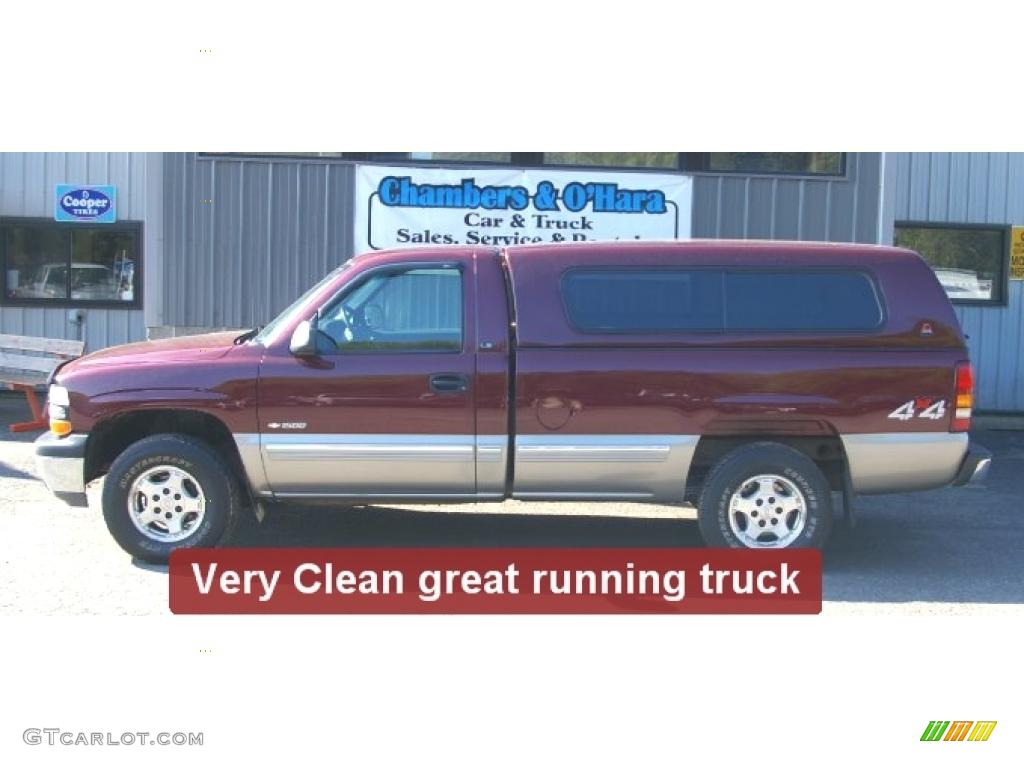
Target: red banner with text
<point>490,581</point>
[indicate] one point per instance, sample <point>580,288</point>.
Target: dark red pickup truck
<point>752,379</point>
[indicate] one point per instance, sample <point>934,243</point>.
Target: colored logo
<point>94,204</point>
<point>958,730</point>
<point>601,197</point>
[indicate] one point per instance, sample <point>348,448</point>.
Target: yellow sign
<point>1017,253</point>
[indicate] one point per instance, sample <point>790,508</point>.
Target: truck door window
<point>411,310</point>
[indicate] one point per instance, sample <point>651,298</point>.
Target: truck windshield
<point>270,329</point>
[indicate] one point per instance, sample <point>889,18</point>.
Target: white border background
<point>515,690</point>
<point>530,76</point>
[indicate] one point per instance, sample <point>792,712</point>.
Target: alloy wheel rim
<point>166,503</point>
<point>767,512</point>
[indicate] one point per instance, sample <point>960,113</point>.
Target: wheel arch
<point>826,451</point>
<point>111,436</point>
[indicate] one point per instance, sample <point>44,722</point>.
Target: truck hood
<point>182,349</point>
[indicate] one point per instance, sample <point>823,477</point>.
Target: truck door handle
<point>448,382</point>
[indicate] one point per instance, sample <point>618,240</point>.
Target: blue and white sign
<point>506,206</point>
<point>92,203</point>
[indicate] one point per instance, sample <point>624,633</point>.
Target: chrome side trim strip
<point>370,465</point>
<point>357,451</point>
<point>891,462</point>
<point>622,467</point>
<point>613,453</point>
<point>369,447</point>
<point>489,453</point>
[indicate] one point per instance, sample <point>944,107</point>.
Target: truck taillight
<point>964,397</point>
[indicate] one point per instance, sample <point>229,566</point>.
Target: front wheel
<point>765,496</point>
<point>169,491</point>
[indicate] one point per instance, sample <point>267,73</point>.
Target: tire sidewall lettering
<point>812,500</point>
<point>217,486</point>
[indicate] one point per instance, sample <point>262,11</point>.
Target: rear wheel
<point>765,496</point>
<point>169,491</point>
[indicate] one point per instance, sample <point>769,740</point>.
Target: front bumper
<point>974,468</point>
<point>60,462</point>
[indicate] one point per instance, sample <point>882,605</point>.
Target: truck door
<point>387,410</point>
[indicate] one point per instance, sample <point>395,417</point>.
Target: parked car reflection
<point>964,284</point>
<point>93,282</point>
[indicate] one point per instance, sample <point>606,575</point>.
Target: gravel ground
<point>951,551</point>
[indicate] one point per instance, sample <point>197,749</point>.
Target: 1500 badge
<point>922,408</point>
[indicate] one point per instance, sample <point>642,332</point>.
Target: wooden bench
<point>26,363</point>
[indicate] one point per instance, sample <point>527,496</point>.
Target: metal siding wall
<point>274,228</point>
<point>27,182</point>
<point>838,209</point>
<point>975,188</point>
<point>277,225</point>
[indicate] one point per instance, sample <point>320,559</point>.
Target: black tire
<point>764,458</point>
<point>217,485</point>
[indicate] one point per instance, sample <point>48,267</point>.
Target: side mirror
<point>303,343</point>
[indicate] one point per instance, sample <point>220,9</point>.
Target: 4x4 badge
<point>922,408</point>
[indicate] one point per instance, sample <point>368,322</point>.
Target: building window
<point>665,160</point>
<point>463,157</point>
<point>787,163</point>
<point>751,163</point>
<point>627,160</point>
<point>969,260</point>
<point>67,264</point>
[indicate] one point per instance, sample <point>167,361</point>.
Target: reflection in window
<point>970,261</point>
<point>827,163</point>
<point>103,265</point>
<point>668,160</point>
<point>800,163</point>
<point>47,262</point>
<point>412,310</point>
<point>464,157</point>
<point>36,265</point>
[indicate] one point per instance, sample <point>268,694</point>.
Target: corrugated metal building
<point>226,241</point>
<point>27,184</point>
<point>971,189</point>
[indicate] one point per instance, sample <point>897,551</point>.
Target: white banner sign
<point>397,207</point>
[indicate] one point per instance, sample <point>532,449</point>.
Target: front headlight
<point>59,395</point>
<point>60,404</point>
